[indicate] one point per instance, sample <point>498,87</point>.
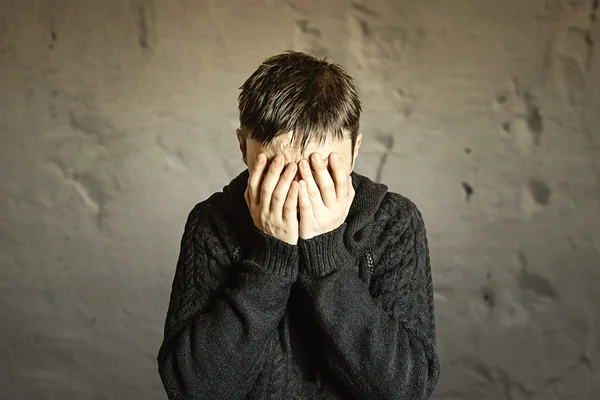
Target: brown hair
<point>294,91</point>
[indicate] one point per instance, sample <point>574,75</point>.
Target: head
<point>295,104</point>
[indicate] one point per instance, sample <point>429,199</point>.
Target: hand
<point>273,198</point>
<point>324,204</point>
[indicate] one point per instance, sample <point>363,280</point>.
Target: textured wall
<point>117,116</point>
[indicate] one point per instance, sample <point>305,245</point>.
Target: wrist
<point>324,253</point>
<point>275,255</point>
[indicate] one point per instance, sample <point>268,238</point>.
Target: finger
<point>255,179</point>
<point>340,177</point>
<point>323,180</point>
<point>283,187</point>
<point>270,182</point>
<point>306,208</point>
<point>291,203</point>
<point>311,186</point>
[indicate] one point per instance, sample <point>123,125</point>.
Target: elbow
<point>423,381</point>
<point>417,372</point>
<point>189,372</point>
<point>417,382</point>
<point>175,380</point>
<point>180,376</point>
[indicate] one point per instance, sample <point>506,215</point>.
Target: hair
<point>294,91</point>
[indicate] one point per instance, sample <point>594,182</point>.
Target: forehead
<point>283,145</point>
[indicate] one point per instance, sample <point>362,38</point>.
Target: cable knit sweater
<point>345,315</point>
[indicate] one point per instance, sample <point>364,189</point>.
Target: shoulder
<point>399,211</point>
<point>207,226</point>
<point>397,229</point>
<point>203,214</point>
<point>210,210</point>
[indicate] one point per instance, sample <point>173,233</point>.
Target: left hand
<point>324,202</point>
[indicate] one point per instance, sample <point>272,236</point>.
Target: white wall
<point>117,116</point>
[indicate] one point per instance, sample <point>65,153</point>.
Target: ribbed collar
<point>367,199</point>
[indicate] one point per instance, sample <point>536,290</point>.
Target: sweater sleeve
<point>217,333</point>
<point>379,348</point>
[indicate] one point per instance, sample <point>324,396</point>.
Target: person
<point>302,279</point>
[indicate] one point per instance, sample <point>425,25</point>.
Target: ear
<point>242,144</point>
<point>356,149</point>
<point>357,144</point>
<point>238,133</point>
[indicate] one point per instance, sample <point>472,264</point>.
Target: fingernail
<point>334,156</point>
<point>317,158</point>
<point>277,160</point>
<point>304,164</point>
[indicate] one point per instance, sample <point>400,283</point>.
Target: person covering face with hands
<point>302,278</point>
<point>288,208</point>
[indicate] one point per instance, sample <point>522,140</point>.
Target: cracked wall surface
<point>116,117</point>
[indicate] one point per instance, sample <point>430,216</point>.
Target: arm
<point>215,336</point>
<point>381,348</point>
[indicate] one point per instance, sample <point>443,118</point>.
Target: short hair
<point>294,91</point>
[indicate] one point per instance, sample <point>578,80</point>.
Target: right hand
<point>272,198</point>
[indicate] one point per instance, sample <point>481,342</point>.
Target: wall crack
<point>589,39</point>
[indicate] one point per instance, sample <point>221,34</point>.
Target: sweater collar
<point>367,200</point>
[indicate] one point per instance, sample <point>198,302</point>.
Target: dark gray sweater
<point>344,315</point>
